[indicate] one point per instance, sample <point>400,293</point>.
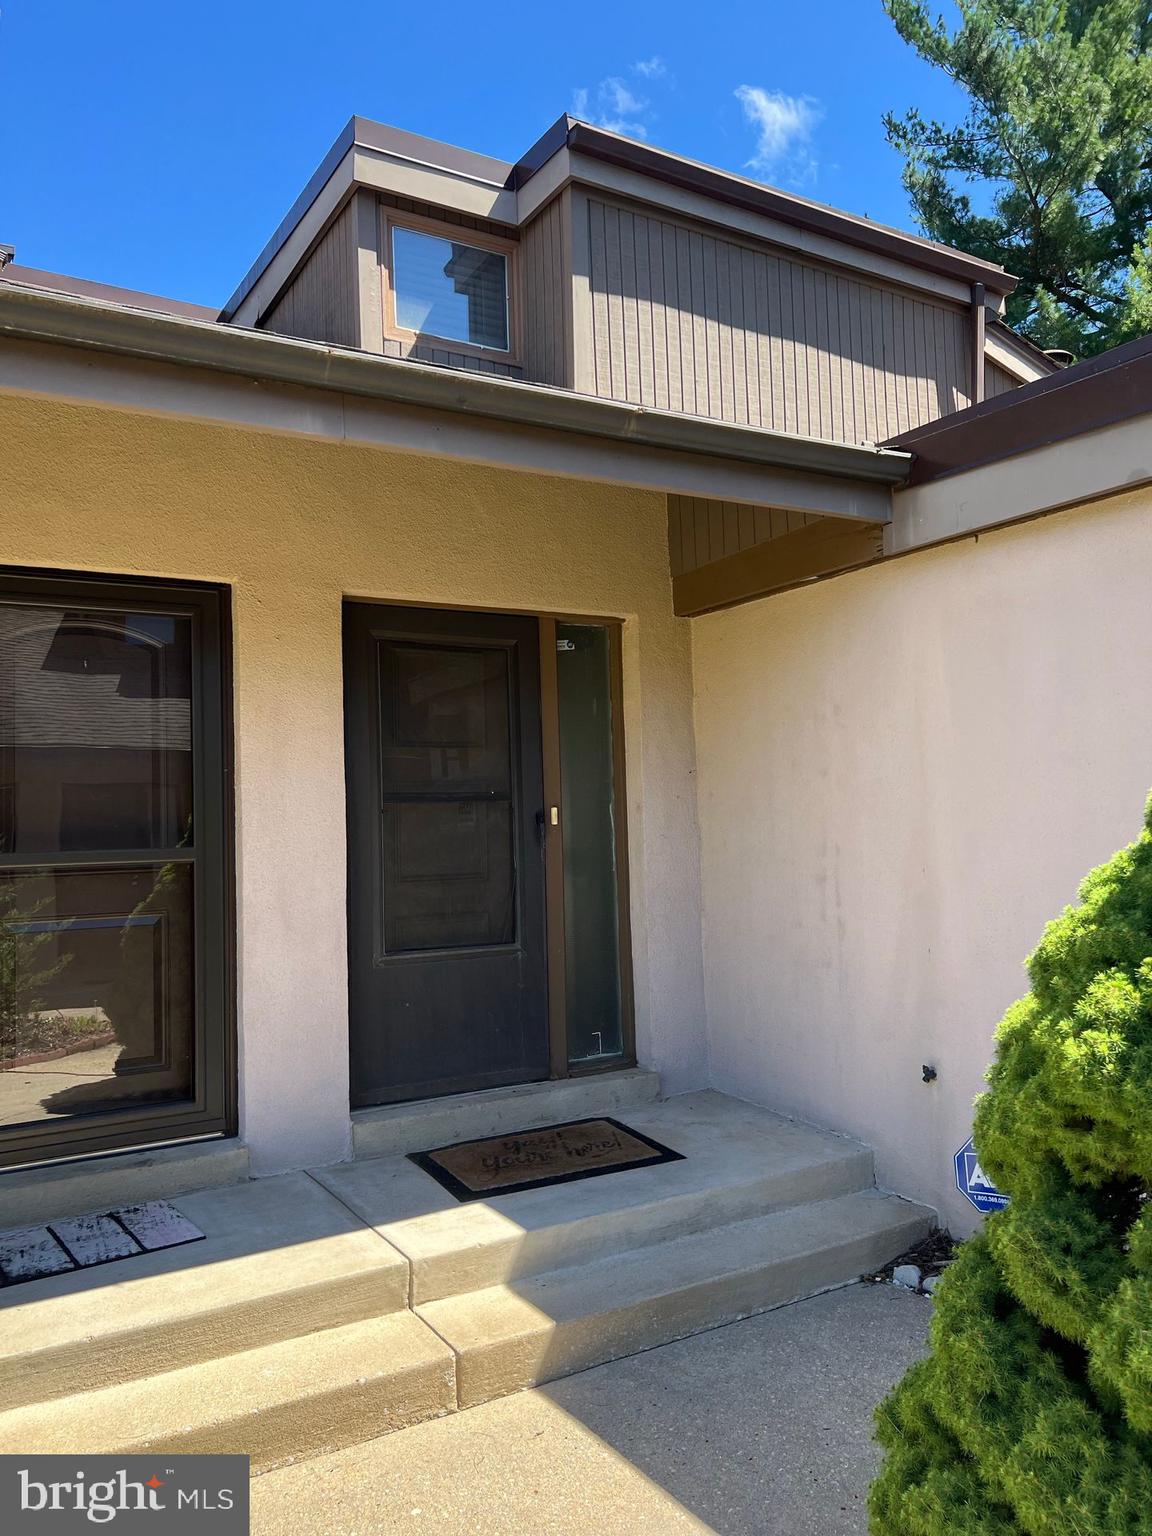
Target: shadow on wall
<point>685,321</point>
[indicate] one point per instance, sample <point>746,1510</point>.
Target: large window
<point>113,986</point>
<point>449,290</point>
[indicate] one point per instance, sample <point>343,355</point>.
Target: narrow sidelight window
<point>589,772</point>
<point>113,896</point>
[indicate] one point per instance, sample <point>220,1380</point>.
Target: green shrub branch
<point>1033,1411</point>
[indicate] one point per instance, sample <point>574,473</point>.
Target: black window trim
<point>213,1112</point>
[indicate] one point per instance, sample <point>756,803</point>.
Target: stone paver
<point>762,1428</point>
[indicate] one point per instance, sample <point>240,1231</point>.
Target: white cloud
<point>621,101</point>
<point>784,126</point>
<point>616,103</point>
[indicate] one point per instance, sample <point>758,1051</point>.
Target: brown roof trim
<point>55,282</point>
<point>741,192</point>
<point>1099,392</point>
<point>363,132</point>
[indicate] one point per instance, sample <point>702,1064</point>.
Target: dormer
<point>605,266</point>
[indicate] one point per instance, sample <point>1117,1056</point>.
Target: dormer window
<point>448,290</point>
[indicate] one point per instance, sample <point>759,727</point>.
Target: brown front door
<point>447,960</point>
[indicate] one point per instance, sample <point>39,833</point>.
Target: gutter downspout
<point>979,323</point>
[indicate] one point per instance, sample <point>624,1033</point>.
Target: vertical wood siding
<point>997,380</point>
<point>444,357</point>
<point>321,302</point>
<point>546,288</point>
<point>685,320</point>
<point>700,531</point>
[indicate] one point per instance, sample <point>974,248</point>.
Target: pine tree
<point>1033,1412</point>
<point>1056,149</point>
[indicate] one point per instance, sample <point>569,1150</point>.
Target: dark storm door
<point>446,921</point>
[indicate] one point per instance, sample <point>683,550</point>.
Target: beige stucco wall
<point>292,526</point>
<point>903,775</point>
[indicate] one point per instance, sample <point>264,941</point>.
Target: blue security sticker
<point>974,1183</point>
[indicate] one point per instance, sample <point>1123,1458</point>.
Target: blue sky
<point>157,144</point>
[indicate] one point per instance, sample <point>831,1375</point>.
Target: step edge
<point>855,1169</point>
<point>916,1216</point>
<point>31,1196</point>
<point>128,1345</point>
<point>511,1374</point>
<point>435,1366</point>
<point>388,1123</point>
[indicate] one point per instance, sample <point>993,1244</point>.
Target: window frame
<point>212,1111</point>
<point>443,229</point>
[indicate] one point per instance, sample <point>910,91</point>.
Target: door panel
<point>446,889</point>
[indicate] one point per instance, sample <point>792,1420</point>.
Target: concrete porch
<point>329,1307</point>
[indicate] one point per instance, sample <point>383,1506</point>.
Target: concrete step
<point>395,1129</point>
<point>29,1196</point>
<point>297,1398</point>
<point>280,1258</point>
<point>739,1161</point>
<point>517,1335</point>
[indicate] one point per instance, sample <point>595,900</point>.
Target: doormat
<point>554,1154</point>
<point>82,1242</point>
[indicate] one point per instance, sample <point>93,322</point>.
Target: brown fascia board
<point>34,277</point>
<point>726,187</point>
<point>364,133</point>
<point>1099,392</point>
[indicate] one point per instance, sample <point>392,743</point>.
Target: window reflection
<point>95,990</point>
<point>450,290</point>
<point>96,916</point>
<point>95,731</point>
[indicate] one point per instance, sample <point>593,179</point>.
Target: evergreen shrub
<point>1033,1411</point>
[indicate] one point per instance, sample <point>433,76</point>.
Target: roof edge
<point>83,287</point>
<point>366,133</point>
<point>41,315</point>
<point>728,187</point>
<point>1099,392</point>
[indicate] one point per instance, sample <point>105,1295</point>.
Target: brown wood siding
<point>320,303</point>
<point>444,357</point>
<point>546,286</point>
<point>686,320</point>
<point>701,531</point>
<point>997,380</point>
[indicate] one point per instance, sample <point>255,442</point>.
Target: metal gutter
<point>38,315</point>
